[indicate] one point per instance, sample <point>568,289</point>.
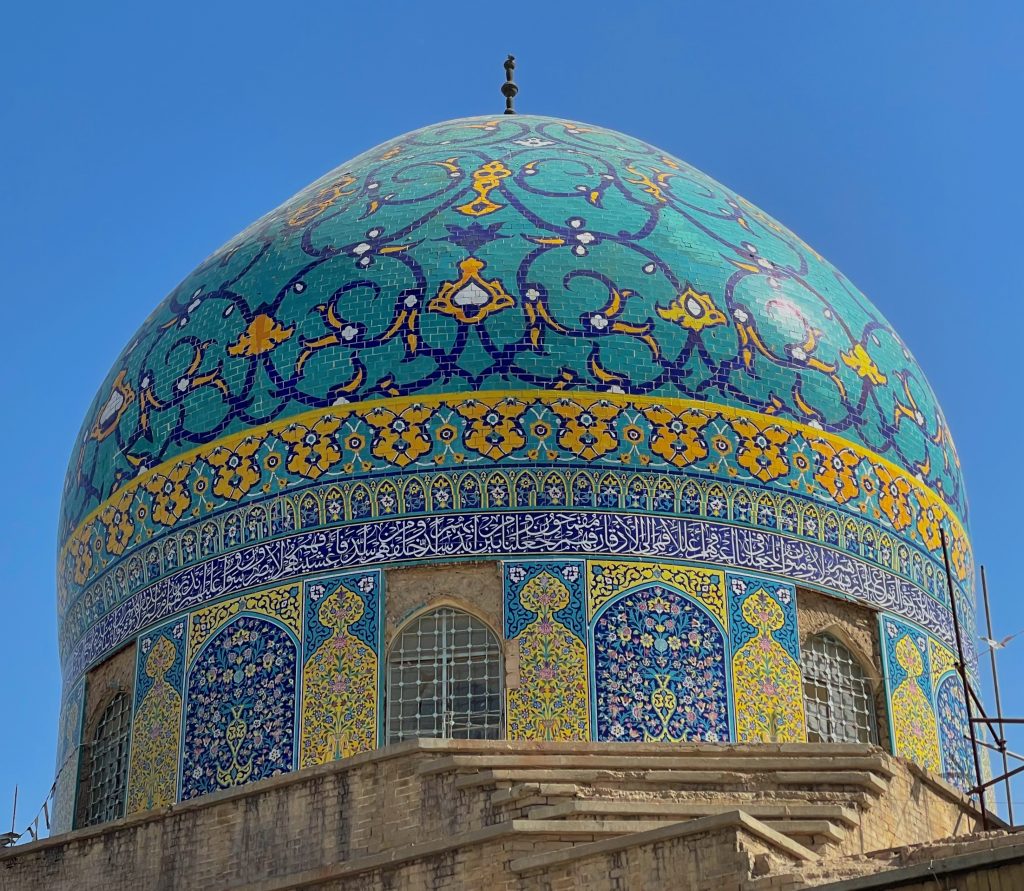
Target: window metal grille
<point>837,696</point>
<point>108,761</point>
<point>444,679</point>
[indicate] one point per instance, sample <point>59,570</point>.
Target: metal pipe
<point>993,782</point>
<point>962,668</point>
<point>995,688</point>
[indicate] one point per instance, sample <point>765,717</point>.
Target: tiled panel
<point>68,742</point>
<point>156,722</point>
<point>341,673</point>
<point>240,692</point>
<point>951,714</point>
<point>910,690</point>
<point>767,683</point>
<point>661,670</point>
<point>545,623</point>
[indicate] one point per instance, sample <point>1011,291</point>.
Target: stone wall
<point>434,814</point>
<point>474,587</point>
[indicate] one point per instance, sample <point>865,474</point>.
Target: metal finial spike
<point>509,88</point>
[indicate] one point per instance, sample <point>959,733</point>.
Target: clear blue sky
<point>137,141</point>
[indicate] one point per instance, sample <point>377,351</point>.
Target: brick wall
<point>405,818</point>
<point>473,587</point>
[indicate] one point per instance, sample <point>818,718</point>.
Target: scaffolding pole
<point>999,704</point>
<point>962,669</point>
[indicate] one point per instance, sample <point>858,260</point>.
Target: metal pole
<point>995,687</point>
<point>962,668</point>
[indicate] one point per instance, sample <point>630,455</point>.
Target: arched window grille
<point>837,695</point>
<point>444,679</point>
<point>108,761</point>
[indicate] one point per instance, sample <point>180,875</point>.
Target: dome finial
<point>509,88</point>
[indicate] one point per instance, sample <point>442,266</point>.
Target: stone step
<point>867,781</point>
<point>569,828</point>
<point>729,821</point>
<point>863,780</point>
<point>520,792</point>
<point>726,761</point>
<point>770,812</point>
<point>808,829</point>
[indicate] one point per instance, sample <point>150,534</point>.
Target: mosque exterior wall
<point>538,372</point>
<point>458,814</point>
<point>594,648</point>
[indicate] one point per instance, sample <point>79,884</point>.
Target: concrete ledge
<point>716,823</point>
<point>986,858</point>
<point>729,761</point>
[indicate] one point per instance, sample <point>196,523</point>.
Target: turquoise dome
<point>600,263</point>
<point>515,339</point>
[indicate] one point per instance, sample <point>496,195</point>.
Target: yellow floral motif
<point>928,526</point>
<point>692,310</point>
<point>117,519</point>
<point>494,431</point>
<point>893,496</point>
<point>339,687</point>
<point>399,436</point>
<point>652,187</point>
<point>942,660</point>
<point>236,470</point>
<point>551,699</point>
<point>470,298</point>
<point>263,334</point>
<point>81,551</point>
<point>836,469</point>
<point>762,449</point>
<point>121,397</point>
<point>769,694</point>
<point>862,363</point>
<point>155,732</point>
<point>171,497</point>
<point>677,436</point>
<point>959,556</point>
<point>586,430</point>
<point>312,449</point>
<point>485,180</point>
<point>606,580</point>
<point>283,604</point>
<point>322,200</point>
<point>914,728</point>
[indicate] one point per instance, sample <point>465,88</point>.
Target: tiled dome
<point>521,322</point>
<point>510,254</point>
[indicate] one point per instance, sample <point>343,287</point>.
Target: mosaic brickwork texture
<point>677,653</point>
<point>520,340</point>
<point>156,723</point>
<point>66,773</point>
<point>545,622</point>
<point>341,676</point>
<point>766,661</point>
<point>927,710</point>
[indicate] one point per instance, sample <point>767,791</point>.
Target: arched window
<point>108,761</point>
<point>444,679</point>
<point>837,695</point>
